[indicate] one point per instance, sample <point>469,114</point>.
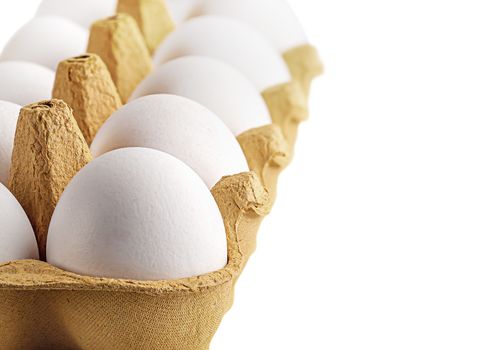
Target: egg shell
<point>181,10</point>
<point>137,213</point>
<point>17,239</point>
<point>178,126</point>
<point>214,84</point>
<point>25,82</point>
<point>46,41</point>
<point>9,113</point>
<point>229,40</point>
<point>272,18</point>
<point>82,12</point>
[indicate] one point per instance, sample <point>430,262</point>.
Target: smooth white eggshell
<point>181,10</point>
<point>17,239</point>
<point>25,82</point>
<point>9,113</point>
<point>83,12</point>
<point>137,213</point>
<point>178,126</point>
<point>46,41</point>
<point>214,84</point>
<point>229,40</point>
<point>273,18</point>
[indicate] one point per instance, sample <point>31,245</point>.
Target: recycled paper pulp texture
<point>119,43</point>
<point>304,65</point>
<point>85,84</point>
<point>267,153</point>
<point>153,18</point>
<point>49,149</point>
<point>288,108</point>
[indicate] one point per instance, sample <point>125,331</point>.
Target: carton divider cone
<point>153,18</point>
<point>49,149</point>
<point>304,65</point>
<point>267,153</point>
<point>85,84</point>
<point>288,108</point>
<point>120,44</point>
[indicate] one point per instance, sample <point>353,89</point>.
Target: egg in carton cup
<point>42,306</point>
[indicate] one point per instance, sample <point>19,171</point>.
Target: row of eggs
<point>165,178</point>
<point>147,191</point>
<point>250,35</point>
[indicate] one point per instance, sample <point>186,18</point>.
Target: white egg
<point>214,84</point>
<point>82,12</point>
<point>178,126</point>
<point>273,18</point>
<point>25,82</point>
<point>181,10</point>
<point>137,213</point>
<point>9,113</point>
<point>229,40</point>
<point>46,41</point>
<point>17,239</point>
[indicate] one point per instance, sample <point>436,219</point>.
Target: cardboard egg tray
<point>43,307</point>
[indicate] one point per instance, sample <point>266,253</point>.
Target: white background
<point>378,238</point>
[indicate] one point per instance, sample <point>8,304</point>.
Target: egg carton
<point>43,307</point>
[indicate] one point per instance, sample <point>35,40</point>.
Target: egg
<point>181,10</point>
<point>9,113</point>
<point>137,213</point>
<point>273,18</point>
<point>17,239</point>
<point>46,41</point>
<point>178,126</point>
<point>229,40</point>
<point>82,12</point>
<point>24,82</point>
<point>214,84</point>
